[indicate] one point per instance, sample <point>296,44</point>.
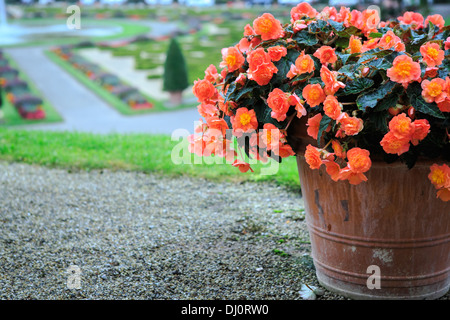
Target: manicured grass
<point>12,116</point>
<point>111,99</point>
<point>137,152</point>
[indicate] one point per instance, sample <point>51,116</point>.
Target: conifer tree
<point>175,69</point>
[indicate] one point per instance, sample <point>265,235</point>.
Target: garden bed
<point>105,94</point>
<point>13,106</point>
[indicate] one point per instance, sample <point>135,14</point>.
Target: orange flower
<point>204,90</point>
<point>359,160</point>
<point>329,79</point>
<point>393,145</point>
<point>302,10</point>
<point>404,70</point>
<point>326,55</point>
<point>440,176</point>
<point>303,64</point>
<point>445,105</point>
<point>413,18</point>
<point>284,151</point>
<point>333,169</point>
<point>294,100</point>
<point>232,59</point>
<point>269,137</point>
<point>313,94</point>
<point>331,107</point>
<point>434,90</point>
<point>435,19</point>
<point>432,54</point>
<point>261,68</point>
<point>312,157</point>
<point>355,44</point>
<point>211,73</point>
<point>278,102</point>
<point>338,150</point>
<point>242,166</point>
<point>244,45</point>
<point>444,194</point>
<point>277,52</point>
<point>207,110</point>
<point>401,126</point>
<point>314,125</point>
<point>350,125</point>
<point>268,27</point>
<point>370,44</point>
<point>447,44</point>
<point>248,31</point>
<point>352,177</point>
<point>244,121</point>
<point>421,130</point>
<point>196,144</point>
<point>390,40</point>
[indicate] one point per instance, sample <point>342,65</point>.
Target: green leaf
<point>305,38</point>
<point>324,123</point>
<point>337,26</point>
<point>414,93</point>
<point>390,100</point>
<point>379,120</point>
<point>356,86</point>
<point>375,35</point>
<point>230,91</point>
<point>348,32</point>
<point>242,92</point>
<point>319,26</point>
<point>371,98</point>
<point>349,70</point>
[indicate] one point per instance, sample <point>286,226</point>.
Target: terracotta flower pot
<point>393,222</point>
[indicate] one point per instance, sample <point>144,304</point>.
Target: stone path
<point>82,109</point>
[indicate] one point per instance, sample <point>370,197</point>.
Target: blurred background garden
<point>108,93</point>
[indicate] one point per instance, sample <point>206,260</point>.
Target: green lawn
<point>111,99</point>
<point>12,116</point>
<point>136,152</point>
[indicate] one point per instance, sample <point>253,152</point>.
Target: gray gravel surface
<point>145,236</point>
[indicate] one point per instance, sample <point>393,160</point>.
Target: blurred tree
<point>175,72</point>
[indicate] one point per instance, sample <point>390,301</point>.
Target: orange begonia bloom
<point>312,157</point>
<point>350,125</point>
<point>333,169</point>
<point>278,101</point>
<point>302,10</point>
<point>415,19</point>
<point>444,194</point>
<point>331,107</point>
<point>447,44</point>
<point>204,90</point>
<point>434,90</point>
<point>329,79</point>
<point>338,150</point>
<point>244,121</point>
<point>314,125</point>
<point>352,177</point>
<point>232,59</point>
<point>401,126</point>
<point>270,136</point>
<point>440,176</point>
<point>211,74</point>
<point>248,31</point>
<point>421,130</point>
<point>268,27</point>
<point>261,68</point>
<point>435,19</point>
<point>284,151</point>
<point>432,54</point>
<point>294,100</point>
<point>355,44</point>
<point>390,40</point>
<point>370,44</point>
<point>242,166</point>
<point>313,94</point>
<point>277,52</point>
<point>359,160</point>
<point>326,55</point>
<point>404,70</point>
<point>393,145</point>
<point>304,63</point>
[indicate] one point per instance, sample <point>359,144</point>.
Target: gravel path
<point>145,236</point>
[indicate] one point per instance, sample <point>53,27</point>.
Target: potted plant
<point>364,104</point>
